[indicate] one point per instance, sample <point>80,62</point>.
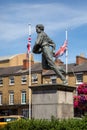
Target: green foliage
<point>53,124</point>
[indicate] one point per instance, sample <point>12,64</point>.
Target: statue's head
<point>40,26</point>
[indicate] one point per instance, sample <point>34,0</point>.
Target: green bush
<point>53,124</point>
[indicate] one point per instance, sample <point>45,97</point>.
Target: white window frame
<point>79,81</point>
<point>11,80</point>
<point>1,81</point>
<point>23,97</point>
<point>11,98</point>
<point>53,78</point>
<point>23,79</point>
<point>0,98</point>
<point>34,78</point>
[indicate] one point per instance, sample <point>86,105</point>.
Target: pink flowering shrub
<point>80,101</point>
<point>76,101</point>
<point>82,88</point>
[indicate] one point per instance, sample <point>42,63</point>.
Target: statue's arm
<point>39,39</point>
<point>37,47</point>
<point>50,41</point>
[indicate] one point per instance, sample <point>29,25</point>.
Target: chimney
<point>80,59</point>
<point>26,62</point>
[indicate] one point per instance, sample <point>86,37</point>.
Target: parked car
<point>5,119</point>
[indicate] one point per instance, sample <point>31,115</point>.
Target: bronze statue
<point>46,46</point>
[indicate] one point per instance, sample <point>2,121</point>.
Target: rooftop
<point>37,67</point>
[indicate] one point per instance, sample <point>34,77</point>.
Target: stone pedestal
<point>52,100</point>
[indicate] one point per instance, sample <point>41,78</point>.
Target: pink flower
<point>82,88</point>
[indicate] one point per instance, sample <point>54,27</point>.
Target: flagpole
<point>66,56</point>
<point>29,78</point>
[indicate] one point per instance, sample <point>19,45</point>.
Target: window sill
<point>23,103</point>
<point>24,83</point>
<point>11,84</point>
<point>78,83</point>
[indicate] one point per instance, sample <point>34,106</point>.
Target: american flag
<point>61,50</point>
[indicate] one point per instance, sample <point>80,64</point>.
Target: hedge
<point>53,124</point>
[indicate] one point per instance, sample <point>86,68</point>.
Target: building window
<point>53,79</point>
<point>79,78</point>
<point>24,79</point>
<point>34,78</point>
<point>23,97</point>
<point>25,112</point>
<point>1,81</point>
<point>11,80</point>
<point>0,98</point>
<point>11,98</point>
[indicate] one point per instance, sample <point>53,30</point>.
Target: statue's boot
<point>65,82</point>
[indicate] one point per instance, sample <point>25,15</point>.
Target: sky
<point>57,16</point>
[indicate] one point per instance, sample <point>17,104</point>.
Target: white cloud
<point>14,20</point>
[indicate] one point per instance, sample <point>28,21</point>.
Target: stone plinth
<point>52,100</point>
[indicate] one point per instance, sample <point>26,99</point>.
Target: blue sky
<point>55,15</point>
